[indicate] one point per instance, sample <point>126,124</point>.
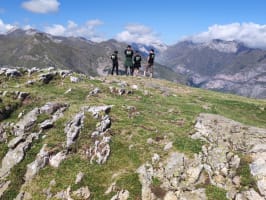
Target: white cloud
<point>5,27</point>
<point>253,35</point>
<point>87,30</point>
<point>41,6</point>
<point>55,29</point>
<point>139,34</point>
<point>27,27</point>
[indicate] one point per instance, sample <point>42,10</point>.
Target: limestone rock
<point>64,194</point>
<point>4,186</point>
<point>15,141</point>
<point>74,79</point>
<point>94,92</point>
<point>145,176</point>
<point>56,159</point>
<point>155,158</point>
<point>99,152</point>
<point>16,155</point>
<point>79,177</point>
<point>121,195</point>
<point>83,193</point>
<point>170,196</point>
<point>26,122</point>
<point>73,127</point>
<point>46,78</point>
<point>168,146</point>
<point>12,73</point>
<point>95,110</point>
<point>198,194</point>
<point>40,162</point>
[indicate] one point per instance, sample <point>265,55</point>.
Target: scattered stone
<point>95,110</point>
<point>22,95</point>
<point>168,146</point>
<point>68,91</point>
<point>12,73</point>
<point>134,87</point>
<point>72,129</point>
<point>46,78</point>
<point>111,188</point>
<point>237,180</point>
<point>30,82</point>
<point>145,176</point>
<point>150,141</point>
<point>121,91</point>
<point>46,124</point>
<point>170,196</point>
<point>4,186</point>
<point>121,195</point>
<point>20,115</point>
<point>49,69</point>
<point>94,92</point>
<point>122,84</point>
<point>131,147</point>
<point>56,159</point>
<point>155,158</point>
<point>83,193</point>
<point>15,141</point>
<point>74,79</point>
<point>79,177</point>
<point>104,124</point>
<point>64,73</point>
<point>32,70</point>
<point>64,194</point>
<point>99,152</point>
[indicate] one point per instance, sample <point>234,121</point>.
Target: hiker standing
<point>137,63</point>
<point>128,62</point>
<point>114,58</point>
<point>150,60</point>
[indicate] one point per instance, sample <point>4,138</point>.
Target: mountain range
<point>226,66</point>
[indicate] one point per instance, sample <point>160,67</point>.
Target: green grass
<point>188,145</point>
<point>215,193</point>
<point>131,183</point>
<point>246,179</point>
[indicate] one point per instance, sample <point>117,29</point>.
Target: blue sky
<point>146,21</point>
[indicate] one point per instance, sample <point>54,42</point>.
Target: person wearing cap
<point>137,63</point>
<point>150,60</point>
<point>114,59</point>
<point>128,61</point>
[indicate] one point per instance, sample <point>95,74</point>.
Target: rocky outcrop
<point>23,139</point>
<point>100,151</point>
<point>216,164</point>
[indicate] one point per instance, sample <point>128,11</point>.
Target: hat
<point>115,51</point>
<point>152,50</point>
<point>128,46</point>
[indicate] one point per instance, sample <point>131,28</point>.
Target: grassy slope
<point>167,111</point>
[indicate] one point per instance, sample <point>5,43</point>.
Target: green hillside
<point>146,114</point>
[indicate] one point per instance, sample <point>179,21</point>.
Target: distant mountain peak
<point>222,45</point>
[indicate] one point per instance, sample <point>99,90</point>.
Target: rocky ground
<point>68,136</point>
